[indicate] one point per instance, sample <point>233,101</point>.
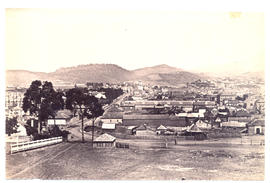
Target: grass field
<point>145,160</point>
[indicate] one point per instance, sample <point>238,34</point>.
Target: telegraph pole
<point>82,129</point>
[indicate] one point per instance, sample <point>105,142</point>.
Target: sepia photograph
<point>143,94</point>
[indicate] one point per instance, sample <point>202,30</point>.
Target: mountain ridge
<point>159,74</point>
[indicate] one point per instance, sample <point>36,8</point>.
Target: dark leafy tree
<point>78,100</point>
<point>11,125</point>
<point>42,101</point>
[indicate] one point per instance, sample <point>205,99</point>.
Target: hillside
<point>148,71</point>
<point>160,74</point>
<point>93,73</point>
<point>23,78</point>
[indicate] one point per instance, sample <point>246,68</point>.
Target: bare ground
<point>145,160</point>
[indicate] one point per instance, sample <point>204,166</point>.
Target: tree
<point>11,125</point>
<point>42,101</point>
<point>78,99</point>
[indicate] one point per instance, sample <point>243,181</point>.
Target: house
<point>104,141</point>
<point>203,125</point>
<point>142,130</point>
<point>217,122</point>
<point>194,131</point>
<point>161,129</point>
<point>113,115</point>
<point>256,127</point>
<point>61,118</point>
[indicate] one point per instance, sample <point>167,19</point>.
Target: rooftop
<point>105,138</point>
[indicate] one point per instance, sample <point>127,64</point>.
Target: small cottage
<point>104,141</point>
<point>142,130</point>
<point>256,127</point>
<point>203,125</point>
<point>194,131</point>
<point>161,130</point>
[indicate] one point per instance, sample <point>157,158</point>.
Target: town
<point>126,91</point>
<point>136,116</point>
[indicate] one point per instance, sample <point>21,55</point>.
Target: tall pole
<point>82,129</point>
<point>93,126</point>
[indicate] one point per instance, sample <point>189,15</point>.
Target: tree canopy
<point>42,101</point>
<point>11,125</point>
<point>78,99</point>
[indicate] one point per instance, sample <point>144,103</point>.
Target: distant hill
<point>252,75</point>
<point>23,78</point>
<point>147,71</point>
<point>111,73</point>
<point>165,75</point>
<point>93,73</point>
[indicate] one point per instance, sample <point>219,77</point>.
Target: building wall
<point>252,130</point>
<point>104,144</point>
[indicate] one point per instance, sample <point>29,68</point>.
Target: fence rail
<point>22,146</point>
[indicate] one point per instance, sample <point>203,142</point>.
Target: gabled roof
<point>257,122</point>
<point>200,121</point>
<point>194,128</point>
<point>105,138</point>
<point>141,127</point>
<point>161,127</point>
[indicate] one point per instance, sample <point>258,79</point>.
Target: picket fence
<point>23,146</point>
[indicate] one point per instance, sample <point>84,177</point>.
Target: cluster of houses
<point>204,118</point>
<point>202,108</point>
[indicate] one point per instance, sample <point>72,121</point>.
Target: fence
<point>22,146</point>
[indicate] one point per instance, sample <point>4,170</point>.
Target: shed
<point>104,140</point>
<point>161,129</point>
<point>196,132</point>
<point>256,127</point>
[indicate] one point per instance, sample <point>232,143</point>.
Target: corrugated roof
<point>105,138</point>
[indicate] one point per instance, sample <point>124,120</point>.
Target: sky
<point>47,39</point>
